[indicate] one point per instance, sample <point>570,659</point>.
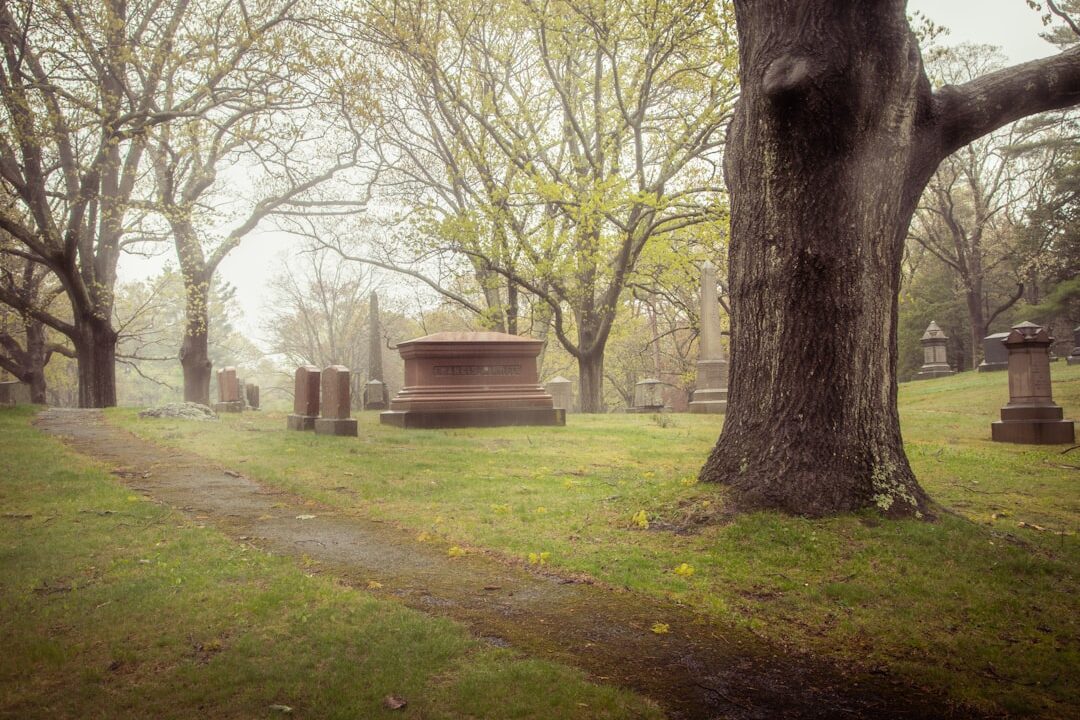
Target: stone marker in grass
<point>335,406</point>
<point>562,393</point>
<point>251,394</point>
<point>1074,354</point>
<point>995,356</point>
<point>935,360</point>
<point>229,399</point>
<point>1031,416</point>
<point>305,399</point>
<point>712,367</point>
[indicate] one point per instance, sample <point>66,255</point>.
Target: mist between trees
<point>551,168</point>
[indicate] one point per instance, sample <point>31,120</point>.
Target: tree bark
<point>835,136</point>
<point>96,351</point>
<point>37,357</point>
<point>973,297</point>
<point>590,381</point>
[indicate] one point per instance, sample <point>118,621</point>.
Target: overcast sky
<point>1009,24</point>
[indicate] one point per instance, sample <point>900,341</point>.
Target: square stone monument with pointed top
<point>935,360</point>
<point>229,399</point>
<point>712,367</point>
<point>1031,416</point>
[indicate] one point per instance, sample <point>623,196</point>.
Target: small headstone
<point>935,361</point>
<point>562,393</point>
<point>228,391</point>
<point>648,396</point>
<point>251,392</point>
<point>335,405</point>
<point>1031,416</point>
<point>995,356</point>
<point>375,395</point>
<point>1074,354</point>
<point>305,398</point>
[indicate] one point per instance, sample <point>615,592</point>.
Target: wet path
<point>697,670</point>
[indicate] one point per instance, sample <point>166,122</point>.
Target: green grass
<point>975,604</point>
<point>117,607</point>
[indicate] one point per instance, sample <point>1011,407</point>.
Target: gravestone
<point>712,367</point>
<point>251,393</point>
<point>995,356</point>
<point>471,379</point>
<point>375,391</point>
<point>305,398</point>
<point>14,392</point>
<point>1074,354</point>
<point>228,391</point>
<point>335,406</point>
<point>562,393</point>
<point>648,396</point>
<point>935,361</point>
<point>1031,416</point>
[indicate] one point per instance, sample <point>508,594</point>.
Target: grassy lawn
<point>981,604</point>
<point>115,607</point>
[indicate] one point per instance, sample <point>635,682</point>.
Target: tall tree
<point>835,135</point>
<point>291,122</point>
<point>554,139</point>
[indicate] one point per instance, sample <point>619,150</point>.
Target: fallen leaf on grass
<point>374,584</point>
<point>394,702</point>
<point>455,551</point>
<point>232,473</point>
<point>305,517</point>
<point>661,628</point>
<point>283,709</point>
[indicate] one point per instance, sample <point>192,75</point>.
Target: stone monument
<point>648,396</point>
<point>935,361</point>
<point>471,379</point>
<point>251,393</point>
<point>305,399</point>
<point>1031,416</point>
<point>1074,354</point>
<point>375,389</point>
<point>562,393</point>
<point>995,356</point>
<point>712,368</point>
<point>14,392</point>
<point>229,399</point>
<point>335,407</point>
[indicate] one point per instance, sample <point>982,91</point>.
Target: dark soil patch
<point>699,669</point>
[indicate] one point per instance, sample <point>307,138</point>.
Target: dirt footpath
<point>697,670</point>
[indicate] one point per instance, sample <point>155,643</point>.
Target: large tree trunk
<point>195,348</point>
<point>817,163</point>
<point>96,350</point>
<point>835,135</point>
<point>590,382</point>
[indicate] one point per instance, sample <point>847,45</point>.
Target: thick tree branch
<point>969,111</point>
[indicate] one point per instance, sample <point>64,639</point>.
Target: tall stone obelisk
<point>712,367</point>
<point>375,394</point>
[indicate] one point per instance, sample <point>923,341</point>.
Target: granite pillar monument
<point>305,398</point>
<point>375,391</point>
<point>712,367</point>
<point>229,399</point>
<point>335,405</point>
<point>935,360</point>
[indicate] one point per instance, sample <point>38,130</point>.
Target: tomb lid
<point>374,382</point>
<point>1027,332</point>
<point>933,332</point>
<point>469,337</point>
<point>996,336</point>
<point>559,380</point>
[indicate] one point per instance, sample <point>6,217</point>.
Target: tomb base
<point>1033,425</point>
<point>709,401</point>
<point>473,417</point>
<point>1073,360</point>
<point>929,372</point>
<point>344,427</point>
<point>300,422</point>
<point>234,406</point>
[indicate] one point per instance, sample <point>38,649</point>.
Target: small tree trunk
<point>36,354</point>
<point>590,380</point>
<point>96,350</point>
<point>195,346</point>
<point>976,323</point>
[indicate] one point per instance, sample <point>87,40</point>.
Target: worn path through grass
<point>693,667</point>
